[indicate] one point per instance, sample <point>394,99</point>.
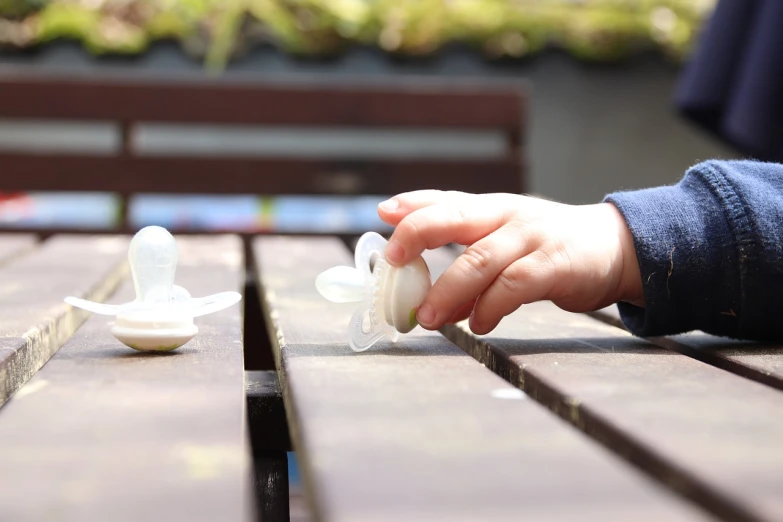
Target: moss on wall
<point>217,30</point>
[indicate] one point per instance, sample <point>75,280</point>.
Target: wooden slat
<point>712,436</point>
<point>269,442</point>
<point>265,411</point>
<point>269,439</point>
<point>133,99</point>
<point>35,320</point>
<point>609,315</point>
<point>13,245</point>
<point>254,176</point>
<point>106,433</point>
<point>416,431</point>
<point>761,362</point>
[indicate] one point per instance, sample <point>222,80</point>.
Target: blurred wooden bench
<point>129,101</point>
<point>553,416</point>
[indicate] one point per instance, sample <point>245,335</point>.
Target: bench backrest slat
<point>231,102</point>
<point>247,175</point>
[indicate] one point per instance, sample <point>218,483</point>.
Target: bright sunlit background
<point>601,72</point>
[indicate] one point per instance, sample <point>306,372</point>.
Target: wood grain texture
<point>106,433</point>
<point>417,431</point>
<point>35,320</point>
<point>714,437</point>
<point>760,362</point>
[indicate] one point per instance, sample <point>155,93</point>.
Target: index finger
<point>394,209</point>
<point>440,224</point>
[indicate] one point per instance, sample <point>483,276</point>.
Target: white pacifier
<point>161,316</point>
<point>389,296</point>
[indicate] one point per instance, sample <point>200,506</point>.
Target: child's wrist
<point>630,289</point>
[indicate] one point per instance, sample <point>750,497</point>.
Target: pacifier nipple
<point>388,296</point>
<point>161,316</point>
<point>153,256</point>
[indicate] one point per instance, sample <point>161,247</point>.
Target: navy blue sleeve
<point>710,252</point>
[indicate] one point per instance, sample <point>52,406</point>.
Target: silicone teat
<point>388,296</point>
<point>153,257</point>
<point>161,316</point>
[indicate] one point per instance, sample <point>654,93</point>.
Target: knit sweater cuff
<point>687,257</point>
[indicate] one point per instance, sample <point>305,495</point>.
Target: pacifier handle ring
<point>369,244</point>
<point>358,339</point>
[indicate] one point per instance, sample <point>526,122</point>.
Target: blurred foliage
<point>218,30</point>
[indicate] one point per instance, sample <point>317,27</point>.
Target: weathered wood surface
<point>760,362</point>
<point>35,320</point>
<point>713,436</point>
<point>13,245</point>
<point>106,433</point>
<point>421,431</point>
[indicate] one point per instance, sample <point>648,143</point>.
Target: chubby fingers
<point>463,312</point>
<point>472,273</point>
<point>441,224</point>
<point>394,209</point>
<point>526,280</point>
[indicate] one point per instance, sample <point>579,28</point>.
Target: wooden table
<point>100,432</point>
<point>553,416</point>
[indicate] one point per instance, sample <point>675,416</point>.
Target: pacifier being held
<point>389,296</point>
<point>161,316</point>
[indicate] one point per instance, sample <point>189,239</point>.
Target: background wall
<point>600,129</point>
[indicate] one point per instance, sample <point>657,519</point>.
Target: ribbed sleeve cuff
<point>687,257</point>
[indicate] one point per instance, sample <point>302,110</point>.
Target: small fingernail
<point>390,205</point>
<point>472,323</point>
<point>394,252</point>
<point>425,315</point>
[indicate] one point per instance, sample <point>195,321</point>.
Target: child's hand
<point>520,250</point>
